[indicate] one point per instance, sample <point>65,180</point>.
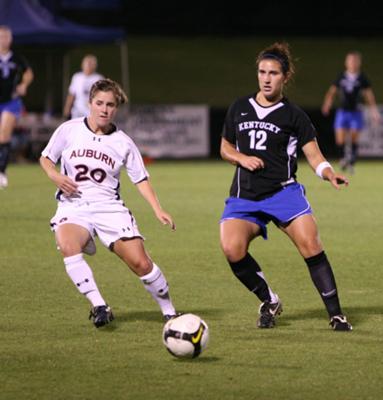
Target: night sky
<point>248,18</point>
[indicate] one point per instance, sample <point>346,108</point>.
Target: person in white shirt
<point>76,103</point>
<point>93,151</point>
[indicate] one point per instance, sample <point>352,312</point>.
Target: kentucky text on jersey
<point>268,126</point>
<point>98,155</point>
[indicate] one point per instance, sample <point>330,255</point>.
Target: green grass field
<point>49,350</point>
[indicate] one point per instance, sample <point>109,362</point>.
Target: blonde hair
<point>107,85</point>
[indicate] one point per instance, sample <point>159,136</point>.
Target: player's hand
<point>166,219</point>
<point>251,163</point>
<point>337,180</point>
<point>65,184</point>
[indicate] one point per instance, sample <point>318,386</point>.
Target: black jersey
<point>12,68</point>
<point>273,134</point>
<point>350,88</point>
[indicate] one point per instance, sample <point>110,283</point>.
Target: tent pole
<point>125,67</point>
<point>66,77</point>
<point>48,106</point>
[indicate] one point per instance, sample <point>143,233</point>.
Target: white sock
<point>81,275</point>
<point>155,283</point>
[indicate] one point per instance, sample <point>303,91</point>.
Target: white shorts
<point>110,222</point>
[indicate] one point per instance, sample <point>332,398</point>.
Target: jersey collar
<point>263,112</point>
<point>112,129</point>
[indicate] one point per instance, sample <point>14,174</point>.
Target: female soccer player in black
<point>261,135</point>
<point>350,85</point>
<point>15,77</point>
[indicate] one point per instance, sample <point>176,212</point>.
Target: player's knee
<point>69,248</point>
<point>142,266</point>
<point>310,247</point>
<point>234,251</point>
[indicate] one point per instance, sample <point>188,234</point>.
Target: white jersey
<point>94,161</point>
<point>80,88</point>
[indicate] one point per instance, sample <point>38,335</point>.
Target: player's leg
<point>341,127</point>
<point>303,232</point>
<point>71,240</point>
<point>340,141</point>
<point>354,139</point>
<point>133,253</point>
<point>236,235</point>
<point>356,127</point>
<point>7,125</point>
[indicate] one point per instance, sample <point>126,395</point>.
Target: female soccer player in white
<point>93,151</point>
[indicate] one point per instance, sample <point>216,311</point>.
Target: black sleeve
<point>22,63</point>
<point>364,82</point>
<point>228,131</point>
<point>336,82</point>
<point>304,129</point>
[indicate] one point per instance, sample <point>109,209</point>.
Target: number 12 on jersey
<point>257,139</point>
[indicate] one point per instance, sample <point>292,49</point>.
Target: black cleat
<point>101,315</point>
<point>339,323</point>
<point>268,311</point>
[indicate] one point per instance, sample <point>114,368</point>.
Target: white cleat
<point>3,180</point>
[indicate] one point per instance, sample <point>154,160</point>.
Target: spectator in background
<point>77,101</point>
<point>350,85</point>
<point>15,77</point>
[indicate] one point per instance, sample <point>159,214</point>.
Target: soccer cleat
<point>343,164</point>
<point>268,311</point>
<point>351,169</point>
<point>3,180</point>
<point>168,317</point>
<point>101,315</point>
<point>339,323</point>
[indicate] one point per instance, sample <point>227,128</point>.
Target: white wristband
<point>319,169</point>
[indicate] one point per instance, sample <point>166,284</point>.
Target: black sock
<point>341,152</point>
<point>246,270</point>
<point>5,149</point>
<point>323,278</point>
<point>354,153</point>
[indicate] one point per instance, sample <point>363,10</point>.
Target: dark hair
<point>107,85</point>
<point>281,53</point>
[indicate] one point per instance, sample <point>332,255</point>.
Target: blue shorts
<point>348,120</point>
<point>14,106</point>
<point>284,206</point>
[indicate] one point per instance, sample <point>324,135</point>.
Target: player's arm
<point>68,105</point>
<point>233,156</point>
<point>329,99</point>
<point>63,182</point>
<point>26,80</point>
<point>369,98</point>
<point>321,166</point>
<point>148,193</point>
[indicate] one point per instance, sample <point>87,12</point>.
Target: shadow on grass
<point>201,359</point>
<point>156,316</point>
<point>355,315</point>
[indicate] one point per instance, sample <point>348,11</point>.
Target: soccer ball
<point>185,336</point>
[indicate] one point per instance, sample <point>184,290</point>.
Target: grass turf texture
<point>49,350</point>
